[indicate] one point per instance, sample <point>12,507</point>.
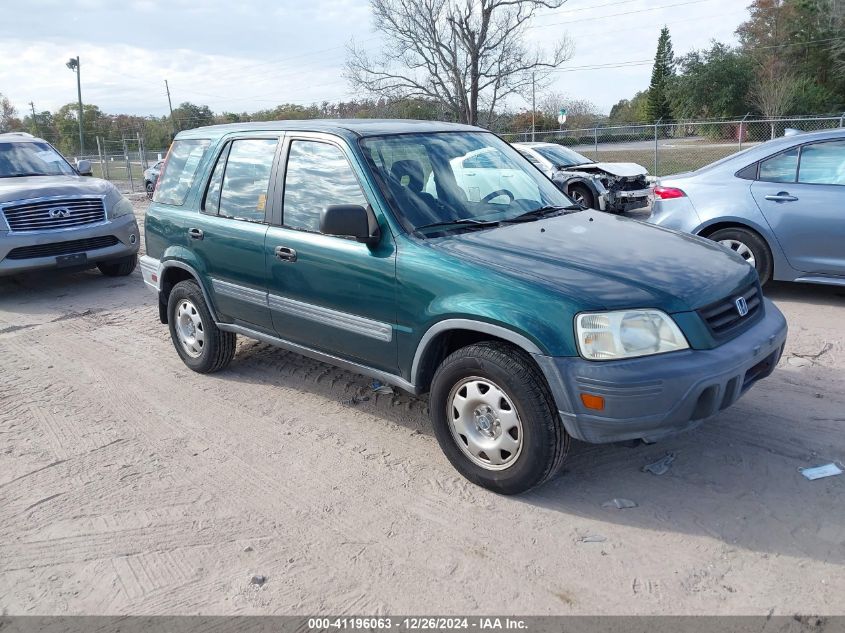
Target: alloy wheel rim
<point>740,249</point>
<point>485,423</point>
<point>190,329</point>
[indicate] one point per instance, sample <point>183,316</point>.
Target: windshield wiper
<point>464,222</point>
<point>542,212</point>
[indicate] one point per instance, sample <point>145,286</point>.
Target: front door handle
<point>195,234</point>
<point>782,196</point>
<point>285,254</point>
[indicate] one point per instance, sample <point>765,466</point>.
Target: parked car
<point>778,205</point>
<point>151,177</point>
<point>527,319</point>
<point>613,187</point>
<point>53,216</point>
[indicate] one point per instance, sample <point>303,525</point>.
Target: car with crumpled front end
<point>53,216</point>
<point>528,320</point>
<point>612,187</point>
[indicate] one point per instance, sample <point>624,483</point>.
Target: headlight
<point>627,334</point>
<point>122,207</point>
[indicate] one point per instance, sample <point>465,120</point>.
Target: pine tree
<point>658,107</point>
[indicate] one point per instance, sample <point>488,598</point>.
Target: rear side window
<point>179,170</point>
<point>782,167</point>
<point>243,195</point>
<point>823,163</point>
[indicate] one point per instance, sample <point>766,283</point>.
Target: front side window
<point>823,163</point>
<point>31,159</point>
<point>317,176</point>
<point>243,194</point>
<point>179,170</point>
<point>780,168</point>
<point>472,176</point>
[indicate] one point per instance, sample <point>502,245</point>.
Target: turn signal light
<point>667,193</point>
<point>592,401</point>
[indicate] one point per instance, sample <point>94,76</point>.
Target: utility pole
<point>73,64</point>
<point>34,118</point>
<point>170,105</point>
<point>533,108</point>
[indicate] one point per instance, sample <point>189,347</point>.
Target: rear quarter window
<point>180,170</point>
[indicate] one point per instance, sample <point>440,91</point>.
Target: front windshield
<point>31,159</point>
<point>452,177</point>
<point>561,156</point>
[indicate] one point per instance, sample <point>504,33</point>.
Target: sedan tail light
<point>667,193</point>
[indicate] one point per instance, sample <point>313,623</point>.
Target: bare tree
<point>774,92</point>
<point>580,113</point>
<point>466,54</point>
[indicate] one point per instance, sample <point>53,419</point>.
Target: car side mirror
<point>83,167</point>
<point>350,220</point>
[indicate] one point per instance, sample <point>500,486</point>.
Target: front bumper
<point>124,229</point>
<point>656,396</point>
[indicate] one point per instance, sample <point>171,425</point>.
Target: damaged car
<point>612,187</point>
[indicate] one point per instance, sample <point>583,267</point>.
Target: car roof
<point>340,127</point>
<point>21,137</point>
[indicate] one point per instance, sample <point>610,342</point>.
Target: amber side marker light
<point>592,401</point>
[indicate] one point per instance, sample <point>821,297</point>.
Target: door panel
<point>808,216</point>
<point>329,293</point>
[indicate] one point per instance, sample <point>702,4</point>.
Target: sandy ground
<point>129,484</point>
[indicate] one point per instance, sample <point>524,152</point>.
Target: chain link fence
<point>670,148</point>
<point>123,162</point>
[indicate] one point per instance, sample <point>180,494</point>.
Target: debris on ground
<point>258,580</point>
<point>380,388</point>
<point>354,400</point>
<point>248,548</point>
<point>619,504</point>
<point>818,472</point>
<point>661,466</point>
<point>592,538</point>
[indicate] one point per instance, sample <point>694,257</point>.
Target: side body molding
<point>468,324</point>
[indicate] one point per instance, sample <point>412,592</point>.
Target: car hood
<point>607,262</point>
<point>27,187</point>
<point>622,170</point>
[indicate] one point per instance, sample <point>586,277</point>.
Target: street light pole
<point>73,64</point>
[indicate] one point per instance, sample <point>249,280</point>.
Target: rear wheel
<point>495,419</point>
<point>199,342</point>
<point>580,194</point>
<point>119,267</point>
<point>748,245</point>
<point>150,188</point>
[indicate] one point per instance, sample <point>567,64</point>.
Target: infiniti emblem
<point>741,306</point>
<point>59,212</point>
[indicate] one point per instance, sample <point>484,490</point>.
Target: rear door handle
<point>195,234</point>
<point>285,254</point>
<point>782,196</point>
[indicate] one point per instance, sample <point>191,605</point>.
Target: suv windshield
<point>459,180</point>
<point>31,159</point>
<point>561,156</point>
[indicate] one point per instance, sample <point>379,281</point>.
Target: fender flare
<point>468,324</point>
<point>175,263</point>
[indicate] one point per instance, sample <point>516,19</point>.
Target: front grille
<point>62,248</point>
<point>722,317</point>
<point>47,215</point>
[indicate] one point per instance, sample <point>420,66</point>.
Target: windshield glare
<point>31,159</point>
<point>561,156</point>
<point>451,176</point>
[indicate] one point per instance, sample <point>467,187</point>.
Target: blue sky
<point>252,54</point>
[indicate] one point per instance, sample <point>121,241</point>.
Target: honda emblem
<point>741,306</point>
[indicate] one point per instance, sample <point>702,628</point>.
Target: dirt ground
<point>129,484</point>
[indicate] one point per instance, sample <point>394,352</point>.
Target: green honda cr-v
<point>435,258</point>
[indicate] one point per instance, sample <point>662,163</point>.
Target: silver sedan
<point>779,205</point>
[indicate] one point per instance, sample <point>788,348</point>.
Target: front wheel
<point>119,267</point>
<point>199,342</point>
<point>748,245</point>
<point>582,195</point>
<point>495,419</point>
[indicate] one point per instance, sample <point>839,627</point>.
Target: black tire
<point>755,243</point>
<point>150,188</point>
<point>544,440</point>
<point>582,195</point>
<point>218,347</point>
<point>119,267</point>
